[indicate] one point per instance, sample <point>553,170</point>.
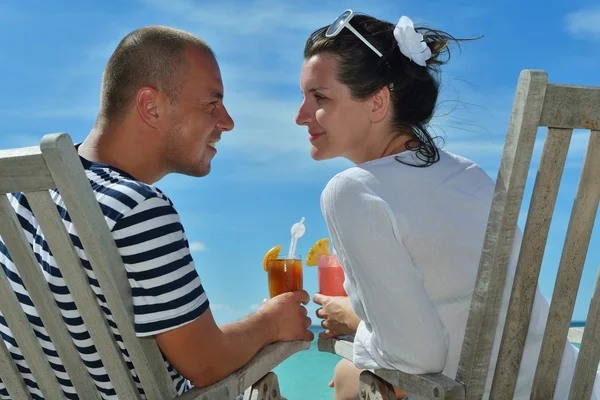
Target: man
<point>161,112</point>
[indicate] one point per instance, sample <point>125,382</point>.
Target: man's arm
<point>205,353</point>
<point>170,303</point>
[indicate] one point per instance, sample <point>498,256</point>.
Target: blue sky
<point>263,178</point>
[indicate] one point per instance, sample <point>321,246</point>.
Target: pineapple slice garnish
<point>271,255</point>
<point>321,248</point>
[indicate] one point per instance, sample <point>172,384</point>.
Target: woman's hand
<point>337,315</point>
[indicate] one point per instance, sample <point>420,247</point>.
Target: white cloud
<point>243,18</point>
<point>197,247</point>
<point>579,141</point>
<point>264,126</point>
<point>584,23</point>
<point>276,168</point>
<point>260,92</point>
<point>88,113</point>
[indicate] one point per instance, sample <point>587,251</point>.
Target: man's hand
<point>205,353</point>
<point>337,314</point>
<point>287,317</point>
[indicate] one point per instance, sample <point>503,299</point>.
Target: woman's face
<point>337,124</point>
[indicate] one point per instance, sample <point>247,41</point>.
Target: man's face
<point>198,118</point>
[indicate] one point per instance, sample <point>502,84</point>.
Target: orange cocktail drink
<point>285,272</point>
<point>284,275</point>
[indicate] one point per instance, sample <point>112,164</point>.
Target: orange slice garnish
<point>271,255</point>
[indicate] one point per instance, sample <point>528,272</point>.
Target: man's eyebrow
<point>217,95</point>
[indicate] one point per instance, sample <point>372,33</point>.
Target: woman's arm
<point>400,328</point>
<point>337,314</point>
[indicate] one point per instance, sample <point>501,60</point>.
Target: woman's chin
<point>320,154</point>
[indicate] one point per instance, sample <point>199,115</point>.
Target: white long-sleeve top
<point>409,240</point>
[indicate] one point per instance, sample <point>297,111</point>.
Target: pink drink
<point>331,276</point>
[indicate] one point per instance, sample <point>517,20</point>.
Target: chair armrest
<point>236,383</point>
<point>430,386</point>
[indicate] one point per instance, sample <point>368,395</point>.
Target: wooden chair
<point>55,164</point>
<point>560,108</point>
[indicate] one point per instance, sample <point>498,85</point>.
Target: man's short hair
<point>150,56</point>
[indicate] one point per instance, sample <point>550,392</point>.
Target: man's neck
<point>124,150</point>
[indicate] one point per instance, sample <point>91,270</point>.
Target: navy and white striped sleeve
<point>166,289</point>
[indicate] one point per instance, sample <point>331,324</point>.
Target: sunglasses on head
<point>343,21</point>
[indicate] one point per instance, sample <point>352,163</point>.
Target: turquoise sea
<point>306,374</point>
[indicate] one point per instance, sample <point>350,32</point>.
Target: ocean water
<point>306,374</point>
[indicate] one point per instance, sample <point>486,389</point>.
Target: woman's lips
<point>315,135</point>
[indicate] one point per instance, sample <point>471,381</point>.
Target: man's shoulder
<point>120,194</point>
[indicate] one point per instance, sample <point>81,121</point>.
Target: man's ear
<point>146,104</point>
<point>378,105</point>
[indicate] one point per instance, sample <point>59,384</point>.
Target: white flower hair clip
<point>411,43</point>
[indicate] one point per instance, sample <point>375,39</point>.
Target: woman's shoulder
<point>449,157</point>
<point>346,188</point>
<point>349,180</point>
<point>386,176</point>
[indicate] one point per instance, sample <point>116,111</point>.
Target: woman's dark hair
<point>414,89</point>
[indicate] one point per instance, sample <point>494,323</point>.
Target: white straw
<point>293,242</point>
<point>294,239</point>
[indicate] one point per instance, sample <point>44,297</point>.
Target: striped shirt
<point>165,286</point>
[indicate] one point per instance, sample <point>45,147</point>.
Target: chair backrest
<point>561,108</point>
<point>34,170</point>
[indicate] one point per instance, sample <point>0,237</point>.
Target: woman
<point>408,221</point>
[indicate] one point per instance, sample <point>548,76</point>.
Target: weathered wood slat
<point>23,333</point>
<point>589,354</point>
<point>237,383</point>
<point>533,245</point>
<point>499,236</point>
<point>267,388</point>
<point>571,107</point>
<point>75,277</point>
<point>33,279</point>
<point>430,386</point>
<point>27,341</point>
<point>10,375</point>
<point>65,166</point>
<point>570,268</point>
<point>23,170</point>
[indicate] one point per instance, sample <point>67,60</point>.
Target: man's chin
<point>197,171</point>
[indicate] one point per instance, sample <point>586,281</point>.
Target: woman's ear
<point>378,105</point>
